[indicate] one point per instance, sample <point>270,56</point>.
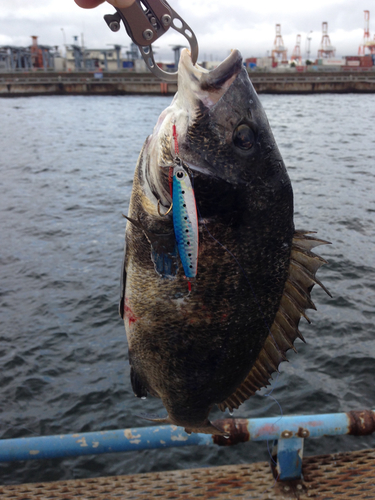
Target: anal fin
<point>284,330</point>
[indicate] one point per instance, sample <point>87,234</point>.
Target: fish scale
<point>185,221</point>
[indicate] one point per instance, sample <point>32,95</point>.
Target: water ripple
<point>65,179</point>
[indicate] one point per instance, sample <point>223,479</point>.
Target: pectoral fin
<point>164,252</point>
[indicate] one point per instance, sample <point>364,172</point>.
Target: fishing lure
<point>185,219</point>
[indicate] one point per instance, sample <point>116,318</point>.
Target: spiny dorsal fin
<point>284,330</point>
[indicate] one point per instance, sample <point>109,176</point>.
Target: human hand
<point>90,4</point>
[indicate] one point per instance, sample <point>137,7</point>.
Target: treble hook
<point>167,212</point>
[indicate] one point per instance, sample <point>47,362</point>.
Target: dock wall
<point>31,84</point>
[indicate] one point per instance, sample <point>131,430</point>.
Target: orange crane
<point>296,54</point>
<point>279,50</point>
<point>36,53</point>
<point>367,42</point>
<point>326,49</point>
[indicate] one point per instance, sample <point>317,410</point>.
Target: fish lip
<point>215,79</point>
<point>199,169</point>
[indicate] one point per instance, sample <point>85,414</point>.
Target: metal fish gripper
<point>146,21</point>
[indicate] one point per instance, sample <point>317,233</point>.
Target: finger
<point>121,4</point>
<point>88,4</point>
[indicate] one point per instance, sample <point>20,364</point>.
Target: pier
<point>128,83</point>
<point>340,476</point>
<point>288,476</point>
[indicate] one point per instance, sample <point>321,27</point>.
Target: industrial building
<point>13,58</point>
<point>79,58</point>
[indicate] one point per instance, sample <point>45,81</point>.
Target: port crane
<point>326,49</point>
<point>296,54</point>
<point>367,42</point>
<point>279,50</point>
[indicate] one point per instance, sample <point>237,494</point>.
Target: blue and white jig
<point>185,219</point>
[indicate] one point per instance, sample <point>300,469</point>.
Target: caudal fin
<point>206,427</point>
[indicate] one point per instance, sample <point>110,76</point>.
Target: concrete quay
<point>52,83</point>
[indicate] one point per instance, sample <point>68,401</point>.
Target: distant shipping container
<point>356,68</point>
<point>140,66</point>
<point>352,63</point>
<point>264,62</point>
<point>332,62</point>
<point>366,61</point>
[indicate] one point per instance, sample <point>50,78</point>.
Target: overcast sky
<point>220,25</point>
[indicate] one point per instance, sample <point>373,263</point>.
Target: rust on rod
<point>237,429</point>
<point>355,423</point>
<point>361,423</point>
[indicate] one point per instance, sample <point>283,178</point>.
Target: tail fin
<point>155,418</point>
<point>206,427</point>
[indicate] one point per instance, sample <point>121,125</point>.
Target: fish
<point>219,340</point>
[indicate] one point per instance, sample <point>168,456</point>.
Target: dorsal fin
<point>284,330</point>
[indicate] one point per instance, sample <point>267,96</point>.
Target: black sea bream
<point>217,338</point>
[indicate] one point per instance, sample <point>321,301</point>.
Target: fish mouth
<point>227,70</point>
<point>208,86</point>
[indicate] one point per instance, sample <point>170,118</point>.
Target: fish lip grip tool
<point>146,21</point>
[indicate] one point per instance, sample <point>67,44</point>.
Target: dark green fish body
<point>219,342</point>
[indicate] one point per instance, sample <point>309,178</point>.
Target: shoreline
<point>84,83</point>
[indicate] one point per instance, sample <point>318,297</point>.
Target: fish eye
<point>243,137</point>
<point>180,174</point>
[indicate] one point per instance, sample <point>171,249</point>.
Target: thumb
<point>90,4</point>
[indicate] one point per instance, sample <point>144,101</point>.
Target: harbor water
<point>66,168</point>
